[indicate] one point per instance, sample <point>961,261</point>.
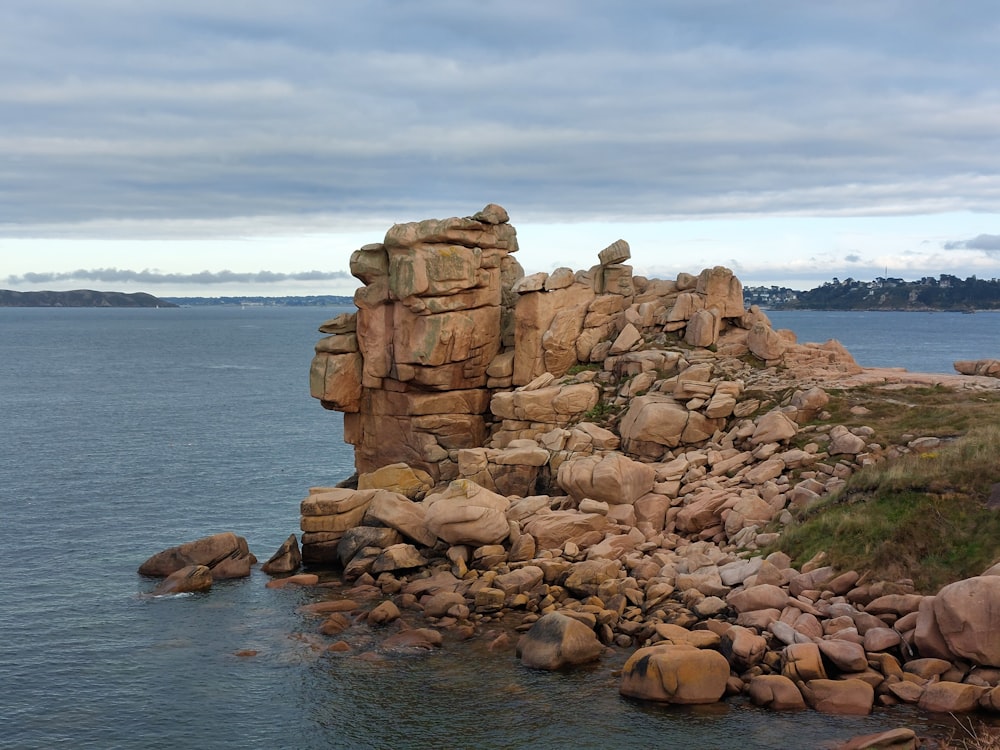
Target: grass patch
<point>922,516</point>
<point>934,410</point>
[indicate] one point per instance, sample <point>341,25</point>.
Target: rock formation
<point>226,555</point>
<point>616,450</point>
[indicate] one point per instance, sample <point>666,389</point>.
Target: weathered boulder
<point>653,418</point>
<point>383,613</point>
<point>555,641</point>
<point>398,557</point>
<point>742,647</point>
<point>335,379</point>
<point>189,579</point>
<point>413,639</point>
<point>982,367</point>
<point>466,513</point>
<point>762,596</point>
<point>774,427</point>
<point>400,478</point>
<point>776,692</point>
<point>287,559</point>
<point>553,528</point>
<point>967,614</point>
<point>360,538</point>
<point>764,342</point>
<point>851,696</point>
<point>612,478</point>
<point>951,697</point>
<point>405,516</point>
<point>226,555</point>
<point>803,662</point>
<point>585,578</point>
<point>843,441</point>
<point>675,674</point>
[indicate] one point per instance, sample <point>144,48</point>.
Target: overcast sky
<point>238,146</point>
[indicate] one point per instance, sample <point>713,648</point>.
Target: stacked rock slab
<point>409,369</point>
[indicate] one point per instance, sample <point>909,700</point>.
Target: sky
<point>242,147</point>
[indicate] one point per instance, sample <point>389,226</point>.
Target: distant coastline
<point>91,298</point>
<point>80,298</point>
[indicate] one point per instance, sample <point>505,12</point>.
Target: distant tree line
<point>946,292</point>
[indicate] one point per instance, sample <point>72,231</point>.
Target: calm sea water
<point>127,431</point>
<point>916,341</point>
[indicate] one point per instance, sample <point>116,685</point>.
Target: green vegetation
<point>922,516</point>
<point>600,412</point>
<point>946,292</point>
<point>578,368</point>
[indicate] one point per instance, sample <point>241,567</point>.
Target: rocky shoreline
<point>598,460</point>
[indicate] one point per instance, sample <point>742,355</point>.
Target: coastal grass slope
<point>925,515</point>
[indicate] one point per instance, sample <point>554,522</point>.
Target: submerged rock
<point>189,579</point>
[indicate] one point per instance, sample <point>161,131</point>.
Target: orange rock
<point>675,674</point>
<point>851,696</point>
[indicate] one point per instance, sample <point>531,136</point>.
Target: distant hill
<point>80,298</point>
<point>309,300</point>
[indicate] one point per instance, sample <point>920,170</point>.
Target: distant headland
<point>80,298</point>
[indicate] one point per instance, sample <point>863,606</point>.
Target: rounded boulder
<point>675,674</point>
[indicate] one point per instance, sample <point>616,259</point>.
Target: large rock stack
<point>409,370</point>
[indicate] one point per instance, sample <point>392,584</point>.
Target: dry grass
<point>973,736</point>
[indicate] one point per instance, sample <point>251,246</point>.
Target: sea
<point>126,431</point>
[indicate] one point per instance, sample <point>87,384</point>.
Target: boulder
<point>585,578</point>
<point>612,478</point>
<point>654,418</point>
<point>226,555</point>
<point>675,674</point>
<point>743,648</point>
<point>843,441</point>
<point>396,511</point>
<point>776,692</point>
<point>967,613</point>
<point>414,639</point>
<point>383,614</point>
<point>763,596</point>
<point>398,478</point>
<point>774,427</point>
<point>189,579</point>
<point>951,697</point>
<point>847,697</point>
<point>552,529</point>
<point>287,559</point>
<point>803,662</point>
<point>555,641</point>
<point>764,342</point>
<point>365,537</point>
<point>466,513</point>
<point>398,557</point>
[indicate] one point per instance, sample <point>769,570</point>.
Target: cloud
<point>563,111</point>
<point>988,242</point>
<point>206,278</point>
<point>853,258</point>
